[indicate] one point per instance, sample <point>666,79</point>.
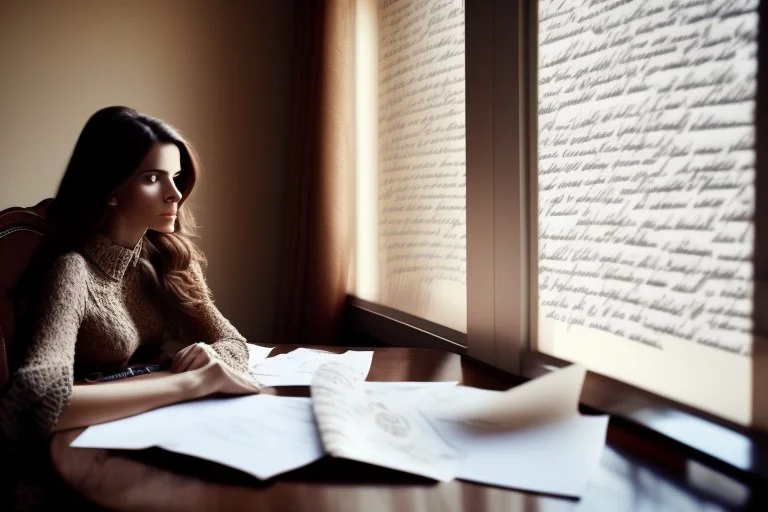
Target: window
<point>610,188</point>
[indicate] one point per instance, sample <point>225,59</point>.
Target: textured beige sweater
<point>96,314</point>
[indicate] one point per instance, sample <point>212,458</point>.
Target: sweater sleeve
<point>38,391</point>
<point>210,326</point>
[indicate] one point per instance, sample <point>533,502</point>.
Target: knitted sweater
<point>96,313</point>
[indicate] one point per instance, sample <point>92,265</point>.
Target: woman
<point>122,282</point>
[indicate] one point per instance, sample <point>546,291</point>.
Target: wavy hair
<point>112,145</point>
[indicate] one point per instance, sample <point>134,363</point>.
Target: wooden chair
<point>21,233</point>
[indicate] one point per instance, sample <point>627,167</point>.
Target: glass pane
<point>418,263</point>
<point>646,194</point>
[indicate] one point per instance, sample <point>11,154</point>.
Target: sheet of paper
<point>557,457</point>
<point>142,430</point>
<point>256,354</point>
<point>549,448</point>
<point>297,367</point>
<point>261,435</point>
<point>408,388</point>
<point>548,398</point>
<point>374,429</point>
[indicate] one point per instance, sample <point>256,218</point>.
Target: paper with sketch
<point>297,367</point>
<point>376,429</point>
<point>261,435</point>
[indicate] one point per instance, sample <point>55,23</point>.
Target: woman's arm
<point>39,389</point>
<point>208,325</point>
<point>91,404</point>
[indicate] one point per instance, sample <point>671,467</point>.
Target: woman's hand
<point>192,357</point>
<point>218,377</point>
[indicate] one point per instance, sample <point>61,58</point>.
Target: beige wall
<point>218,71</point>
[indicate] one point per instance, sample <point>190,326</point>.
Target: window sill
<point>393,327</point>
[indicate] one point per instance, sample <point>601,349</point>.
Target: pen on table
<point>128,372</point>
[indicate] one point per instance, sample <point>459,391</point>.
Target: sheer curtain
<point>313,290</point>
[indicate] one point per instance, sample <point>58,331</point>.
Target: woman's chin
<point>166,229</point>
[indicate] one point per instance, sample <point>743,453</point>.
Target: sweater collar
<point>111,258</point>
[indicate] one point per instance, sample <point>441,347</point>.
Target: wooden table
<point>634,474</point>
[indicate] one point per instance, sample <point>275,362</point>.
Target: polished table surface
<point>634,473</point>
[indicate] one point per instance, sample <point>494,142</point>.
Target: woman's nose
<point>173,194</point>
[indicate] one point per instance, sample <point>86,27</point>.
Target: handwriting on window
<point>422,191</point>
<point>646,168</point>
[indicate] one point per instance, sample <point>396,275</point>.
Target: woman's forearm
<point>96,403</point>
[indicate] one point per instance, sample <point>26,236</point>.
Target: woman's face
<point>150,198</point>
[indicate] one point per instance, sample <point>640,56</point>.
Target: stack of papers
<point>530,437</point>
<point>297,367</point>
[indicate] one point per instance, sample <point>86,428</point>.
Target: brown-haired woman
<point>119,282</point>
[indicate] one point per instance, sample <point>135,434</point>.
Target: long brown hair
<point>111,146</point>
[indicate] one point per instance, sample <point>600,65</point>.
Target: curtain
<point>314,283</point>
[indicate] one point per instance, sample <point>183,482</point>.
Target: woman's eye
<point>152,178</point>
